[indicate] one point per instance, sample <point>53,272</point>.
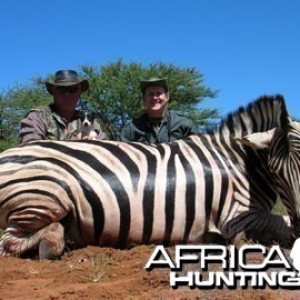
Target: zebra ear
<point>284,119</point>
<point>258,140</point>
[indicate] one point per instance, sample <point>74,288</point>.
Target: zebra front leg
<point>260,227</point>
<point>49,241</point>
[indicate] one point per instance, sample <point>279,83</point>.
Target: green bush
<point>279,208</point>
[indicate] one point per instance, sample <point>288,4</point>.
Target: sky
<point>244,48</point>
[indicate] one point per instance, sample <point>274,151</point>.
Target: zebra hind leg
<point>48,241</point>
<point>52,242</point>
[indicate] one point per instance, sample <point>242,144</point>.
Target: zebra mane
<point>258,116</point>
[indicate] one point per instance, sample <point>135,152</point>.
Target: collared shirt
<point>45,124</point>
<point>152,131</point>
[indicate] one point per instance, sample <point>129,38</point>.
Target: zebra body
<point>116,194</point>
<point>119,201</point>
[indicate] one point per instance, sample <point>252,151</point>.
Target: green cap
<point>154,81</point>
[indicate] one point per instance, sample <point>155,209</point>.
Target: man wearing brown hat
<point>158,124</point>
<point>60,120</point>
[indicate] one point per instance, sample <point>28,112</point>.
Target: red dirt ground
<point>105,273</point>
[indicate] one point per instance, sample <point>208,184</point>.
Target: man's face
<point>66,96</point>
<point>156,99</point>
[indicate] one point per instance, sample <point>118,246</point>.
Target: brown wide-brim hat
<point>162,82</point>
<point>67,78</point>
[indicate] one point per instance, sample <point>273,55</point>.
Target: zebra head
<point>283,144</point>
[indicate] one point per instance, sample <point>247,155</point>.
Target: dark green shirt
<point>171,128</point>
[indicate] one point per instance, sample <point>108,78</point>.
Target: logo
<point>216,266</point>
<point>295,255</point>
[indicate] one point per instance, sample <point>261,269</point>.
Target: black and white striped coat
<point>116,194</point>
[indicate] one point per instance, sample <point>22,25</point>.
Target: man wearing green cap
<point>158,124</point>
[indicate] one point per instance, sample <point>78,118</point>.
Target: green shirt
<point>155,131</point>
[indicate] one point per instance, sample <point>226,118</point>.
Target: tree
<point>114,95</point>
<point>13,106</point>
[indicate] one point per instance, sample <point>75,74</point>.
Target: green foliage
<point>114,95</point>
<point>6,144</point>
<point>279,208</point>
<point>13,106</point>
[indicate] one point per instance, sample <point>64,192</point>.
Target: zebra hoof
<point>52,243</point>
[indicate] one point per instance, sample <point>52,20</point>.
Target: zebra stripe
<point>115,194</point>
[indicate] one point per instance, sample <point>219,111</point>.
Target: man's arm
<point>32,127</point>
<point>126,133</point>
